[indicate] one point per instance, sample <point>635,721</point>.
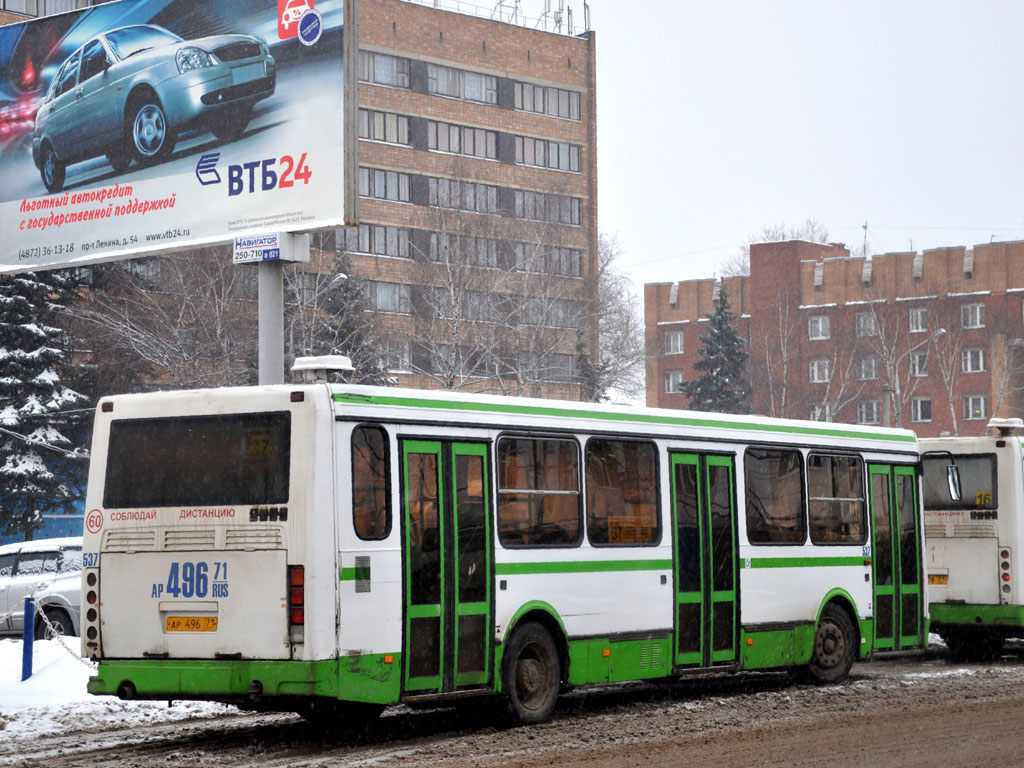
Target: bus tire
<point>834,647</point>
<point>531,675</point>
<point>972,644</point>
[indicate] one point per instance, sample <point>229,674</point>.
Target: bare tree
<point>620,327</point>
<point>185,320</point>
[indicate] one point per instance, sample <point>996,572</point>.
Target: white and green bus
<point>975,541</point>
<point>332,549</point>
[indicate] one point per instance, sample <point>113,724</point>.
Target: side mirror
<point>953,481</point>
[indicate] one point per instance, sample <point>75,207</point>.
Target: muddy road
<point>905,712</point>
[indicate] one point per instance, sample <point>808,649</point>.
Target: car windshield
<point>128,41</point>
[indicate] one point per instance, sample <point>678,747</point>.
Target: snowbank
<point>55,700</point>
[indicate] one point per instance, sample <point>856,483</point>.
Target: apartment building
<point>932,341</point>
<point>478,197</point>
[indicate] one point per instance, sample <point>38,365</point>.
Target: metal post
<point>271,322</point>
<point>29,634</point>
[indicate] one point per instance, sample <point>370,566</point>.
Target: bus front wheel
<point>531,674</point>
<point>834,647</point>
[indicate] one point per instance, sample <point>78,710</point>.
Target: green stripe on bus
<point>639,418</point>
<point>585,566</point>
<point>354,574</point>
<point>807,562</point>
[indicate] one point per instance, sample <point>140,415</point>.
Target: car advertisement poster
<point>142,125</point>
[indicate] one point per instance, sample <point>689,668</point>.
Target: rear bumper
<point>368,678</point>
<point>976,616</point>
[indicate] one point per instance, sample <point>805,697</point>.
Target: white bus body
<point>974,544</point>
<point>299,547</point>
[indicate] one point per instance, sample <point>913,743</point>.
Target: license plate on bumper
<point>191,624</point>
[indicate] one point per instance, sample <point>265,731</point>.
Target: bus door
<point>446,540</point>
<point>896,557</point>
<point>705,553</point>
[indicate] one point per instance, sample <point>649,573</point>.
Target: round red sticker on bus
<point>94,521</point>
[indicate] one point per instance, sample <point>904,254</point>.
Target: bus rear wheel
<point>834,647</point>
<point>531,675</point>
<point>972,644</point>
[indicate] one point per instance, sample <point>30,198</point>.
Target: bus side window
<point>837,508</point>
<point>775,496</point>
<point>371,502</point>
<point>622,493</point>
<point>538,493</point>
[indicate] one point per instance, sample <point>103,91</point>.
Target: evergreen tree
<point>722,385</point>
<point>37,461</point>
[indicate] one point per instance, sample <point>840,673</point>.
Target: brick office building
<point>932,341</point>
<point>478,178</point>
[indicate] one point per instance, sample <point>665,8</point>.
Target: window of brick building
<point>819,371</point>
<point>382,69</point>
<point>674,382</point>
<point>919,364</point>
<point>867,412</point>
<point>974,407</point>
<point>818,327</point>
<point>918,320</point>
<point>972,316</point>
<point>921,409</point>
<point>867,324</point>
<point>973,360</point>
<point>673,342</point>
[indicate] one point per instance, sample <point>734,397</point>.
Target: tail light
<point>1005,574</point>
<point>296,595</point>
<point>91,628</point>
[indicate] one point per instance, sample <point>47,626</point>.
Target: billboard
<point>142,125</point>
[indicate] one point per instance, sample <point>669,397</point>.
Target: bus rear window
<point>198,460</point>
<point>977,482</point>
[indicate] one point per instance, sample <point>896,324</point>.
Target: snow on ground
<point>54,699</point>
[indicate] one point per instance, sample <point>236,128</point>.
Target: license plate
<point>939,579</point>
<point>191,623</point>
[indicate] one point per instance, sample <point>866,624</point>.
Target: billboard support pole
<point>271,322</point>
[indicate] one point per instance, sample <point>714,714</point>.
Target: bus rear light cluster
<point>1004,572</point>
<point>91,630</point>
<point>296,595</point>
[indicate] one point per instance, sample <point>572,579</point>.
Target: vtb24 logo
<point>255,176</point>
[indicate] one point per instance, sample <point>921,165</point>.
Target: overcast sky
<point>717,118</point>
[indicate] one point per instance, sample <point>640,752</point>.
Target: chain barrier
<point>53,633</point>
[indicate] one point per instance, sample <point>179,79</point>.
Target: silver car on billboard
<point>128,94</point>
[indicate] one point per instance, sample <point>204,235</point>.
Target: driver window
<point>94,60</point>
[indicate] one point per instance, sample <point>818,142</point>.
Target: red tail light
<point>296,595</point>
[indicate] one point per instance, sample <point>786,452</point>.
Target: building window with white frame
<point>918,364</point>
<point>819,371</point>
<point>457,84</point>
<point>462,140</point>
<point>382,69</point>
<point>866,368</point>
<point>867,412</point>
<point>866,324</point>
<point>972,316</point>
<point>388,297</point>
<point>918,320</point>
<point>542,153</point>
<point>673,342</point>
<point>384,185</point>
<point>818,328</point>
<point>974,407</point>
<point>674,382</point>
<point>973,360</point>
<point>545,100</point>
<point>921,409</point>
<point>383,126</point>
<point>821,412</point>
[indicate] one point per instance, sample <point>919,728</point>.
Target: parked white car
<point>50,569</point>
